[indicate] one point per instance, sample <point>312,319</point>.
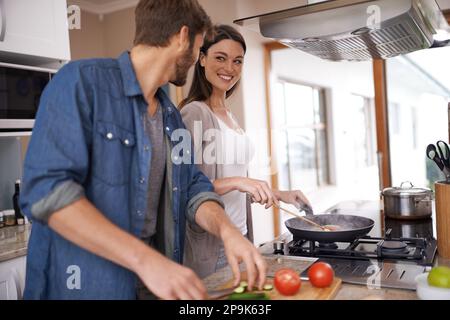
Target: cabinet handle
<point>3,22</point>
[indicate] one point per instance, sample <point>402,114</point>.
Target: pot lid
<point>406,189</point>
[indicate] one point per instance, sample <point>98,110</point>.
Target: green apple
<point>439,277</point>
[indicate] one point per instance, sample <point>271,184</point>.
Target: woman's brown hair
<point>201,89</point>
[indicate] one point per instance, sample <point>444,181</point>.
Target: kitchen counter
<point>347,291</point>
<point>14,242</point>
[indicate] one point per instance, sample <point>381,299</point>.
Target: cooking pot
<point>407,202</point>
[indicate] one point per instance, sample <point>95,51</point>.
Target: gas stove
<point>419,251</point>
<point>391,256</point>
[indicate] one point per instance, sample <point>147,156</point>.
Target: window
<point>361,125</point>
<point>419,92</point>
<point>301,137</point>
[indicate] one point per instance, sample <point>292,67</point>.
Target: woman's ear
<point>202,59</point>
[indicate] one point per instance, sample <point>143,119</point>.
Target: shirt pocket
<point>112,153</point>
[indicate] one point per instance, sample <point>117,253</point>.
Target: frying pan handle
<point>308,210</point>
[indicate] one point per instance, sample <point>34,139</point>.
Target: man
<point>107,200</point>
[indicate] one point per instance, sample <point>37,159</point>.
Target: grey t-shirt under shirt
<point>154,127</point>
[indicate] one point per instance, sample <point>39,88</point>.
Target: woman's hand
<point>296,197</point>
<point>259,191</point>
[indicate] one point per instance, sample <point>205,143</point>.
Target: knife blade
<point>218,294</point>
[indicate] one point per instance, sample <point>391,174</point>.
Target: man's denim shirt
<point>89,141</point>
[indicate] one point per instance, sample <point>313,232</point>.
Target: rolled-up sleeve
<point>57,160</point>
<point>198,200</point>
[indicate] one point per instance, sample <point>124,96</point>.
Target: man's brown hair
<point>158,20</point>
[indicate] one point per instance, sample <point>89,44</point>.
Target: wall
<point>119,28</point>
<point>12,152</point>
<point>89,42</point>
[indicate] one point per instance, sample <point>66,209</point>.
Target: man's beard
<point>182,68</point>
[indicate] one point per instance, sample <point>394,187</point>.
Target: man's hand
<point>169,280</point>
<point>297,198</point>
<point>238,249</point>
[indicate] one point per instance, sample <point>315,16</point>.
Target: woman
<point>217,74</point>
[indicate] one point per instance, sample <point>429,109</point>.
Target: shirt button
<point>109,136</point>
<point>146,148</point>
<point>127,142</point>
<point>167,129</point>
<point>142,181</point>
<point>188,152</point>
<point>139,212</point>
<point>175,189</point>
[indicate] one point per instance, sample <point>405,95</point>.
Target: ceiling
<point>109,6</point>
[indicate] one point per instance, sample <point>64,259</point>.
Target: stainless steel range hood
<point>355,30</point>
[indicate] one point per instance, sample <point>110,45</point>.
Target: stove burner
<point>394,246</point>
<point>331,245</point>
<point>278,247</point>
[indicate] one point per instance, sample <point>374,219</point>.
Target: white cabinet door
<point>35,27</point>
<point>12,279</point>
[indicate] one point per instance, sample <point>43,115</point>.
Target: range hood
<point>355,30</point>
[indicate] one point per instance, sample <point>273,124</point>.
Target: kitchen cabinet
<point>37,28</point>
<point>12,278</point>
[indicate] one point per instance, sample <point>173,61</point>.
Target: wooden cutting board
<point>306,292</point>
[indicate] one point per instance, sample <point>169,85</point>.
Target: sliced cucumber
<point>239,290</point>
<point>268,287</point>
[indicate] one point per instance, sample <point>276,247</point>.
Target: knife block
<point>443,218</point>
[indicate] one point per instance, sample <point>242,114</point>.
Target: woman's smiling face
<point>223,64</point>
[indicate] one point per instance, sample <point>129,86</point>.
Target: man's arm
<point>82,224</point>
<point>212,218</point>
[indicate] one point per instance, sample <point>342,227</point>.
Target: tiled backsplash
<point>12,150</point>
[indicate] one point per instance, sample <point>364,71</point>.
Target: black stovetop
<point>420,251</point>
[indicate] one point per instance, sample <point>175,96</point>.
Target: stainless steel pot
<point>407,202</point>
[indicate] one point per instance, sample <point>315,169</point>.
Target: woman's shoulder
<point>196,110</point>
<point>195,106</point>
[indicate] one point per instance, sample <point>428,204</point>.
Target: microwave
<point>21,88</point>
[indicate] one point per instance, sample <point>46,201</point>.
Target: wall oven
<point>21,88</point>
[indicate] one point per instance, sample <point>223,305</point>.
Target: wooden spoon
<point>304,219</point>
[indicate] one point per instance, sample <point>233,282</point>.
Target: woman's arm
<point>226,185</point>
<point>259,190</point>
<point>295,197</point>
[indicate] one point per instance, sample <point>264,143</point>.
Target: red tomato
<point>287,282</point>
<point>321,275</point>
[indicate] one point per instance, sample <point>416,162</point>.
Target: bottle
<point>18,213</point>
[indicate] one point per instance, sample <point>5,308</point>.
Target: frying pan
<point>349,228</point>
